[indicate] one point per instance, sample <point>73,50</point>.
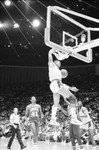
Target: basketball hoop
<point>66,42</point>
<point>60,55</point>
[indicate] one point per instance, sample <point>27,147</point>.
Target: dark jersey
<point>33,112</point>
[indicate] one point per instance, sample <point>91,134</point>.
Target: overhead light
<point>7,2</point>
<point>1,25</point>
<point>36,23</point>
<point>4,24</point>
<point>16,25</point>
<point>9,45</point>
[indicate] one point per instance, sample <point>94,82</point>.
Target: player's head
<point>80,103</point>
<point>33,99</point>
<point>57,63</point>
<point>15,110</point>
<point>72,99</point>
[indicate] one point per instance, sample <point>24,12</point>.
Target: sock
<point>54,111</point>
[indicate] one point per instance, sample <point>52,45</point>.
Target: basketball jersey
<point>72,111</point>
<point>54,72</point>
<point>81,113</point>
<point>34,112</point>
<point>73,115</point>
<point>85,120</point>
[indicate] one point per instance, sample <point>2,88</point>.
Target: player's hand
<point>51,51</point>
<point>60,55</point>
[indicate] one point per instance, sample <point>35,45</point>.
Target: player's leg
<point>76,131</point>
<point>91,137</point>
<point>56,99</point>
<point>36,131</point>
<point>33,129</point>
<point>66,93</point>
<point>82,131</point>
<point>72,138</point>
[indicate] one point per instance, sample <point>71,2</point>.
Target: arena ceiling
<point>24,45</point>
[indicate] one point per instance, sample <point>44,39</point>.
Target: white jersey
<point>83,113</point>
<point>73,114</point>
<point>54,72</point>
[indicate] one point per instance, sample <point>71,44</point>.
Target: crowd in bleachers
<point>19,96</point>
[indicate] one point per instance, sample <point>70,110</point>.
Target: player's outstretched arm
<point>50,57</point>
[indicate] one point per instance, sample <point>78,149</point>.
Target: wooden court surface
<point>41,145</point>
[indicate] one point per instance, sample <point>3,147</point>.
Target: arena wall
<point>18,74</point>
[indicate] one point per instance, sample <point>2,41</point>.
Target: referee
<point>15,129</point>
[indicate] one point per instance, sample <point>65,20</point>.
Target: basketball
<point>64,73</point>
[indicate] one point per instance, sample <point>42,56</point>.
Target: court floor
<point>41,145</point>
